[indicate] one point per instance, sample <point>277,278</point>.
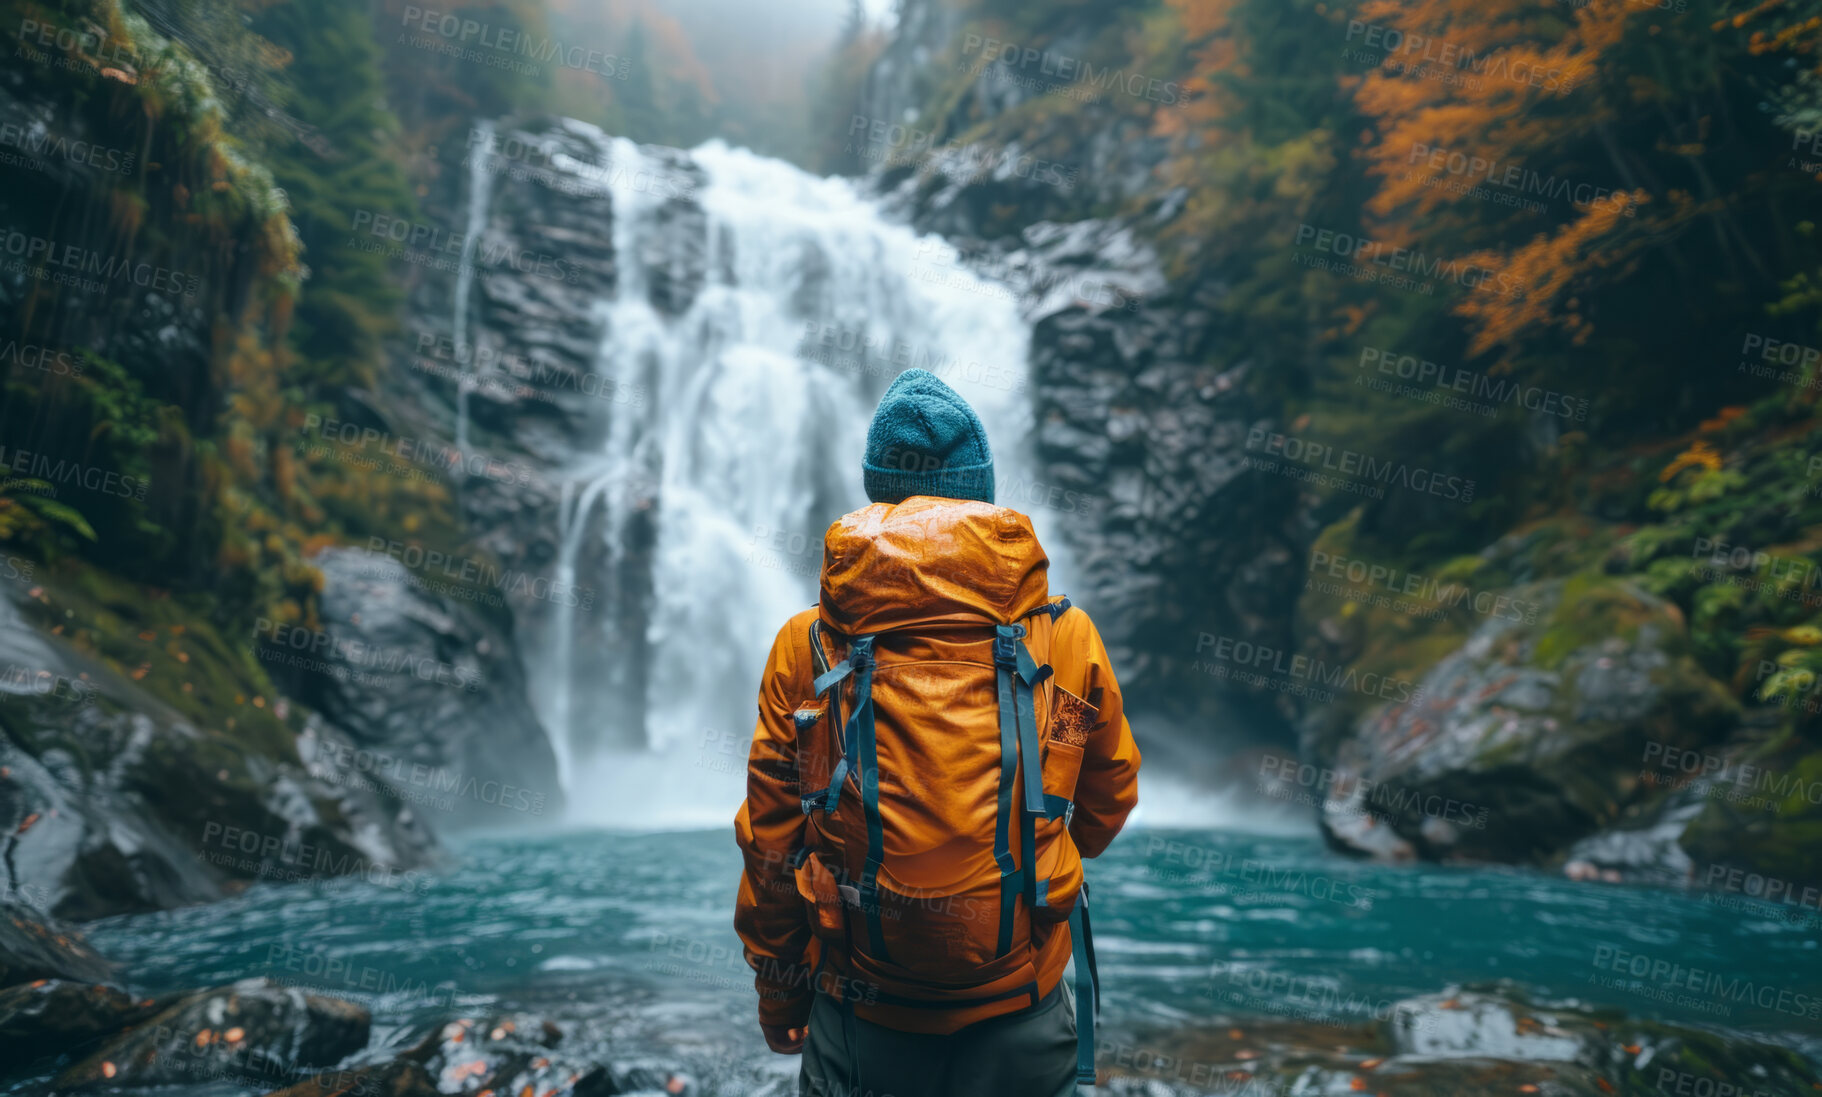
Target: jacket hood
<point>931,561</point>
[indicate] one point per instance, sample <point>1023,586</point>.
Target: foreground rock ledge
<point>1488,1041</point>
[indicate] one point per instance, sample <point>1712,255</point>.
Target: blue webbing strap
<point>866,750</point>
<point>1087,988</point>
<point>1054,609</point>
<point>1030,674</point>
<point>1005,662</point>
<point>831,796</point>
<point>1036,803</point>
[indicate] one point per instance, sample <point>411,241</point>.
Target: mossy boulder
<point>50,1017</point>
<point>253,1033</point>
<point>1531,735</point>
<point>114,800</point>
<point>1486,1039</point>
<point>35,947</point>
<point>1765,816</point>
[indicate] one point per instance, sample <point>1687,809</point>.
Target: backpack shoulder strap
<point>824,675</point>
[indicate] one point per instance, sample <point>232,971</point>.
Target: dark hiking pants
<point>1028,1054</point>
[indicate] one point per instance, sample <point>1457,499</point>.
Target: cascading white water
<point>748,444</point>
<point>480,196</point>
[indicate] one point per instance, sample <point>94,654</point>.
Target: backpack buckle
<point>860,654</point>
<point>1006,645</point>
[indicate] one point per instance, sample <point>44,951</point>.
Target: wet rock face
<point>87,773</point>
<point>1531,736</point>
<point>34,947</point>
<point>539,398</point>
<point>429,691</point>
<point>509,1054</point>
<point>252,1033</point>
<point>1179,544</point>
<point>1142,406</point>
<point>50,1017</point>
<point>1481,1040</point>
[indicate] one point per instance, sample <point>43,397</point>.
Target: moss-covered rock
<point>252,1033</point>
<point>1763,815</point>
<point>35,947</point>
<point>1474,1041</point>
<point>1532,734</point>
<point>115,799</point>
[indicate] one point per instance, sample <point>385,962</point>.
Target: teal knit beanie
<point>926,440</point>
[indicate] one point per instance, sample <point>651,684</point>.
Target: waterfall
<point>704,507</point>
<point>480,196</point>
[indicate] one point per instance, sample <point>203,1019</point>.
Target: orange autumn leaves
<point>1476,94</point>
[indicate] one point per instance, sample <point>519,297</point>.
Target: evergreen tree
<point>346,164</point>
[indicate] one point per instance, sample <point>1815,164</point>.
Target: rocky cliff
<point>1144,407</point>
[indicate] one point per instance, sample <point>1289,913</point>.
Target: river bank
<point>1228,961</point>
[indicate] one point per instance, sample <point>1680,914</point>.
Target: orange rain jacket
<point>944,569</point>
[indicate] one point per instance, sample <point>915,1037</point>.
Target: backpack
<point>937,856</point>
